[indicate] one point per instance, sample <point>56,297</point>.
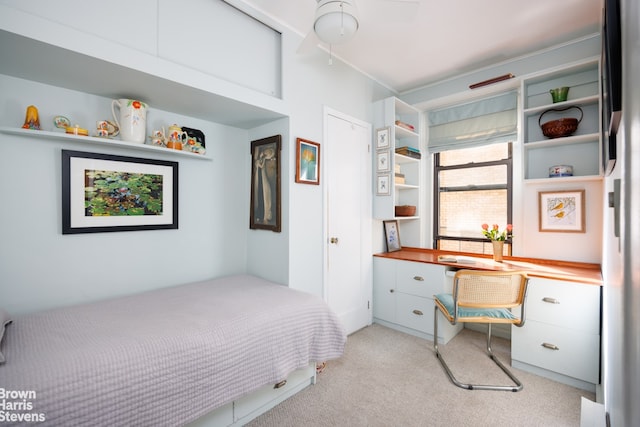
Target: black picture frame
<point>108,193</point>
<point>611,80</point>
<point>265,209</point>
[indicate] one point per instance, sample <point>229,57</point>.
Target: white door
<point>348,219</point>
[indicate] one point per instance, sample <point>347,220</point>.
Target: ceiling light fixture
<point>336,21</point>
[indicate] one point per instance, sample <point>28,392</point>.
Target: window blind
<point>486,121</point>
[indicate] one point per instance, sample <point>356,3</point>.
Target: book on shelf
<point>409,152</point>
<point>405,125</point>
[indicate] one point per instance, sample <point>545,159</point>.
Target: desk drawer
<point>566,304</point>
<point>417,278</point>
<point>415,312</point>
<point>568,352</point>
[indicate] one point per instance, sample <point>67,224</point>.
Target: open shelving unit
<point>386,113</point>
<point>581,150</point>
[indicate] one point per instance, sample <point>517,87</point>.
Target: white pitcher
<point>132,119</point>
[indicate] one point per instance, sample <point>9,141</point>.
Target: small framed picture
<point>382,138</point>
<point>307,162</point>
<point>383,161</point>
<point>383,185</point>
<point>561,211</point>
<point>392,235</point>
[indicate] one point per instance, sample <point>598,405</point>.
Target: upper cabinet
<point>579,149</point>
<point>127,60</point>
<point>397,166</point>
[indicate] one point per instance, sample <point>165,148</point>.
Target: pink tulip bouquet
<point>495,234</point>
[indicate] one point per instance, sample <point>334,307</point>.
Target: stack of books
<point>399,178</point>
<point>409,152</point>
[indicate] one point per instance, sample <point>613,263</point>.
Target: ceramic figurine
<point>31,121</point>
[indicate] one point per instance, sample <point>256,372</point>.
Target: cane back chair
<point>483,297</point>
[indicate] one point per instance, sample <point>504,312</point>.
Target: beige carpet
<point>388,378</point>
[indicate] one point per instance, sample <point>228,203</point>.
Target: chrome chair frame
<point>518,321</point>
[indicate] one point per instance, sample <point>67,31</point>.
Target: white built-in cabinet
<point>387,113</point>
<point>580,150</point>
<point>559,340</point>
<point>403,297</point>
<point>561,336</point>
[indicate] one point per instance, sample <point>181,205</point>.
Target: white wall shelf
<point>90,140</point>
<point>568,140</point>
<point>563,180</point>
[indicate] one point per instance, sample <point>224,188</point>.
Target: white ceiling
<point>405,45</point>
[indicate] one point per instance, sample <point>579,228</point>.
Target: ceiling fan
<point>337,21</point>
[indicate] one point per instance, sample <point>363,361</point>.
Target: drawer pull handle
<point>280,384</point>
<point>550,346</point>
<point>418,278</point>
<point>551,300</point>
<point>418,312</point>
<point>392,290</point>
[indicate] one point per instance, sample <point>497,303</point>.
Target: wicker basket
<point>560,127</point>
<point>405,210</point>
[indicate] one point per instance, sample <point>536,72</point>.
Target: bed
<point>164,357</point>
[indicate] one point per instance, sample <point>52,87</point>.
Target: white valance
<point>480,122</point>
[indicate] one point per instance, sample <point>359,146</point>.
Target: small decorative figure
<point>31,121</point>
<point>61,122</point>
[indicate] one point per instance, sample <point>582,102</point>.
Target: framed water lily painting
<point>104,193</point>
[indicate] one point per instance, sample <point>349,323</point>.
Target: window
<point>472,186</point>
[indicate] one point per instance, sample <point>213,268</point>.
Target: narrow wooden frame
<point>561,211</point>
<point>265,209</point>
<point>307,162</point>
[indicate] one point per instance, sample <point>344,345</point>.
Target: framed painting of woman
<point>265,184</point>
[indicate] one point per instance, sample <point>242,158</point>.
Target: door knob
<point>334,240</point>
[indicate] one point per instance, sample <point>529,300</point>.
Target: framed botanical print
<point>383,162</point>
<point>383,136</point>
<point>383,185</point>
<point>392,235</point>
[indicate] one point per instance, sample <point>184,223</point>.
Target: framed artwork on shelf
<point>104,193</point>
<point>307,162</point>
<point>392,235</point>
<point>265,210</point>
<point>383,136</point>
<point>562,211</point>
<point>383,161</point>
<point>383,185</point>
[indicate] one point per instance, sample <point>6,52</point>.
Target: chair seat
<point>467,314</point>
